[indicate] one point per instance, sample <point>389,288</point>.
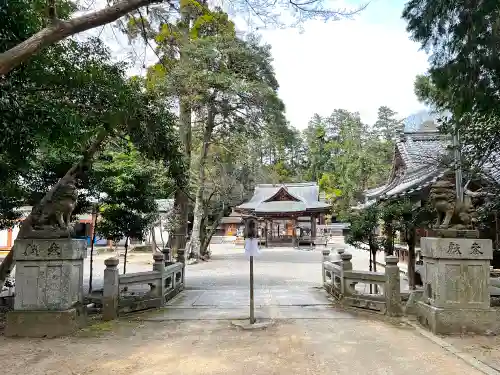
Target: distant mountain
<point>423,120</point>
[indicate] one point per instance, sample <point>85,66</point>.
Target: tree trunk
<point>125,256</point>
<point>94,235</point>
<point>153,240</point>
<point>411,257</point>
<point>389,239</point>
<point>203,230</point>
<point>8,262</point>
<point>210,234</point>
<point>198,205</point>
<point>161,234</point>
<point>181,200</point>
<point>59,30</point>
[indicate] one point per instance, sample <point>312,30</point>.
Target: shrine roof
<point>420,160</point>
<point>295,197</point>
<point>416,165</point>
<point>233,218</point>
<point>281,206</point>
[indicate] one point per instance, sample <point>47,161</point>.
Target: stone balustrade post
<point>181,258</point>
<point>159,265</point>
<point>159,262</point>
<point>346,261</point>
<point>111,289</point>
<point>346,266</point>
<point>166,255</point>
<point>326,258</point>
<point>335,257</point>
<point>392,288</point>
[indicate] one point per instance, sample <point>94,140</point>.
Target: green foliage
<point>54,106</point>
<point>129,184</point>
<point>347,157</point>
<point>401,215</point>
<point>53,103</point>
<point>404,215</point>
<point>463,80</point>
<point>462,40</point>
<point>363,225</point>
<point>387,127</point>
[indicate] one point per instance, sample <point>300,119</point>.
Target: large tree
<point>232,89</point>
<point>462,39</point>
<point>387,126</point>
<point>67,102</point>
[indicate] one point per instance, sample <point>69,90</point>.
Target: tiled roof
<point>416,165</point>
<point>306,195</point>
<point>422,154</point>
<point>280,206</point>
<point>231,220</point>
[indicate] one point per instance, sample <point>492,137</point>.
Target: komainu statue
<point>442,198</point>
<point>51,218</point>
<point>451,213</point>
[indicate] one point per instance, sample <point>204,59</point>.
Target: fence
<point>141,290</point>
<point>341,281</point>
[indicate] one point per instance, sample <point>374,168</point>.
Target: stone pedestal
<point>49,287</point>
<point>456,294</point>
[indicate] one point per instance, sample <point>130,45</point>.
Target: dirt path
<point>308,346</point>
<point>317,339</point>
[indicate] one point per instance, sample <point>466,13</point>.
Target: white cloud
<point>356,65</point>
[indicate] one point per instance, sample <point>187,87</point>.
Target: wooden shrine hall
<point>288,213</point>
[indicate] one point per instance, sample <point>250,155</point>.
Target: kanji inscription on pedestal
<point>475,249</point>
<point>54,249</point>
<point>454,248</point>
<point>32,249</point>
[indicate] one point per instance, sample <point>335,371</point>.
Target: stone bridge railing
<point>342,282</point>
<point>141,290</point>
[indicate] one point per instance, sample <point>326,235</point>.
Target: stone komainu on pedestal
<point>49,287</point>
<point>49,270</point>
<point>51,219</point>
<point>450,213</point>
<point>456,288</point>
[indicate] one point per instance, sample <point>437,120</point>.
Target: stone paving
<point>287,285</point>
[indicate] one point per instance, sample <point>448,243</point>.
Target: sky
<point>358,64</point>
